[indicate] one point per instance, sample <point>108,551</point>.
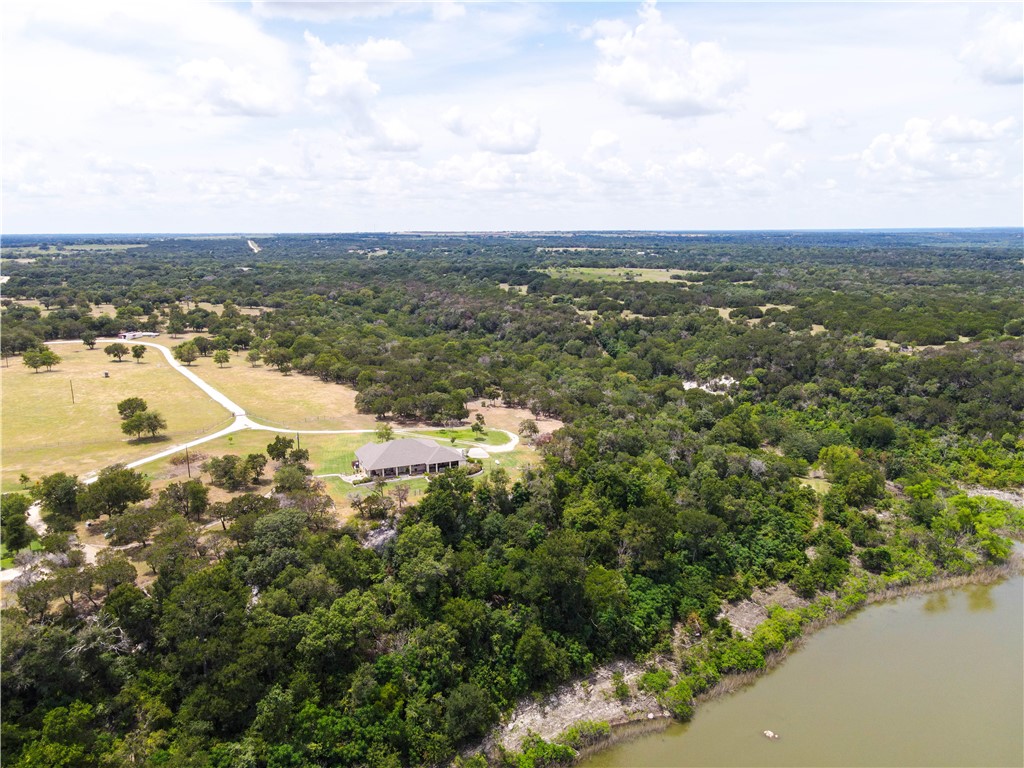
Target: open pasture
<point>44,432</point>
<point>625,274</point>
<point>295,401</point>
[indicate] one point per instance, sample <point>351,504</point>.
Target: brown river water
<point>931,680</point>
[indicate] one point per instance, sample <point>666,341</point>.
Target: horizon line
<point>527,231</point>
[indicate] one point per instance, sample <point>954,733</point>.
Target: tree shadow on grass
<point>149,440</point>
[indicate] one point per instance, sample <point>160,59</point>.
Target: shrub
<point>679,700</point>
<point>655,681</point>
<point>620,687</point>
<point>739,656</point>
<point>877,560</point>
<point>585,733</point>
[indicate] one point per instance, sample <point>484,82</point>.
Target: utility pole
<point>188,463</point>
<point>298,440</point>
<point>72,391</point>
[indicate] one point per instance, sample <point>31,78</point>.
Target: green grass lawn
<point>621,274</point>
<point>44,432</point>
<point>489,436</point>
<point>337,452</point>
<point>7,557</point>
<point>327,453</point>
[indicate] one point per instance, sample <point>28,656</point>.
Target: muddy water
<point>933,680</point>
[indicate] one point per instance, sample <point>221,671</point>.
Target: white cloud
<point>537,175</point>
<point>187,58</point>
<point>604,145</point>
<point>793,121</point>
<point>121,115</point>
<point>604,163</point>
<point>455,121</point>
<point>996,54</point>
<point>336,72</point>
<point>383,50</point>
<point>504,131</point>
<point>225,90</point>
<point>339,79</point>
<point>327,11</point>
<point>918,153</point>
<point>653,67</point>
<point>479,171</point>
<point>323,12</point>
<point>508,133</point>
<point>102,163</point>
<point>960,130</point>
<point>446,10</point>
<point>739,173</point>
<point>393,135</point>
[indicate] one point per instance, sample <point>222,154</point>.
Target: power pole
<point>72,391</point>
<point>188,463</point>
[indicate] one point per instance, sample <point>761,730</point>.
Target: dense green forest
<point>694,407</point>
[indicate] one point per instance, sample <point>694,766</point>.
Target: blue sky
<point>358,116</point>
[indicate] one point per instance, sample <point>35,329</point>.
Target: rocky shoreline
<point>594,698</point>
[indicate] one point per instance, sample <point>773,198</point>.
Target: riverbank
<point>983,576</point>
<point>899,683</point>
<point>595,698</point>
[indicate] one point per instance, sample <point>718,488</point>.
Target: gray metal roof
<point>405,453</point>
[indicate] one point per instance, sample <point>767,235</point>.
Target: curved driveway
<point>242,421</point>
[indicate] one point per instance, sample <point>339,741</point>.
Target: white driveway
<point>241,422</point>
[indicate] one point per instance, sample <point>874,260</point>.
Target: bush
<point>768,638</point>
<point>877,560</point>
<point>873,432</point>
<point>197,457</point>
<point>679,700</point>
<point>620,687</point>
<point>739,656</point>
<point>585,733</point>
<point>655,681</point>
<point>537,753</point>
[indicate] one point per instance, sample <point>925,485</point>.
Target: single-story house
<point>411,456</point>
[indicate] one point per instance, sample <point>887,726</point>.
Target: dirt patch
<point>747,615</point>
<point>497,415</point>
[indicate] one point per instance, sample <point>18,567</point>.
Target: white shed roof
<point>405,453</point>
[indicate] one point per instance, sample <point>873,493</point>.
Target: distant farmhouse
<point>412,456</point>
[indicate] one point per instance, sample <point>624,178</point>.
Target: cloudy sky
<point>357,116</point>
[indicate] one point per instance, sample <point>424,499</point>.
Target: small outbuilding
<point>410,456</point>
